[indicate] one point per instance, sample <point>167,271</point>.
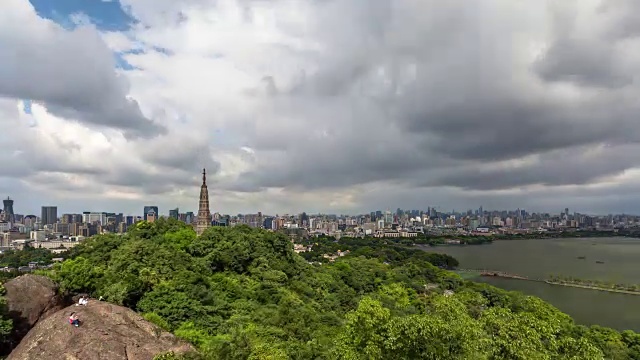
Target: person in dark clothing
<point>73,319</point>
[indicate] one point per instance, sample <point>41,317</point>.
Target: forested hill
<point>242,293</point>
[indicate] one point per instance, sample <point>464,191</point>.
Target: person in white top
<point>83,301</point>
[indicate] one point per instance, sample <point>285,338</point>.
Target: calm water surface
<point>541,258</point>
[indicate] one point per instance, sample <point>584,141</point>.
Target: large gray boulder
<point>30,299</point>
<point>106,332</point>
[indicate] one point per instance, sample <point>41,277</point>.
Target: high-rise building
<point>388,218</point>
<point>63,229</point>
<point>148,209</point>
<point>66,219</point>
<point>29,220</point>
<point>94,217</point>
<point>188,217</point>
<point>268,223</point>
<point>174,213</point>
<point>204,214</point>
<point>8,214</point>
<point>49,215</point>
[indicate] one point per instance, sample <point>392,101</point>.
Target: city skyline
<point>146,208</point>
<point>324,107</point>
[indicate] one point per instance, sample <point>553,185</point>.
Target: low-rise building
<point>53,245</point>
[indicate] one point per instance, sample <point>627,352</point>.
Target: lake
<point>543,257</point>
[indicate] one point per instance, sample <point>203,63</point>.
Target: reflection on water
<point>541,258</point>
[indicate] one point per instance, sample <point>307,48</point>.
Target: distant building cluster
<point>59,233</point>
<point>409,223</point>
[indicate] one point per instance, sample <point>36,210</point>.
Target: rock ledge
<point>31,298</point>
<point>107,332</point>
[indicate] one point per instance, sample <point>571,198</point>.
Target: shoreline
<point>542,237</point>
<point>505,275</point>
<point>589,287</point>
<point>489,239</point>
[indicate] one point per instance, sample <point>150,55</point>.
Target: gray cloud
<point>576,166</point>
<point>622,18</point>
<point>390,103</point>
<point>72,72</point>
<point>28,161</point>
<point>591,56</point>
<point>149,182</point>
<point>439,99</point>
<point>180,153</point>
<point>586,63</point>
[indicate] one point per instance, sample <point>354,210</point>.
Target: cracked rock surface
<point>31,298</point>
<point>106,332</point>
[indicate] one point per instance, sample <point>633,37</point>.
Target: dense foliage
<point>393,251</point>
<point>17,258</point>
<point>454,238</point>
<point>5,322</point>
<point>242,293</point>
<point>599,284</point>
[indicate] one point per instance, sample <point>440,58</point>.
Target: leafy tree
<point>6,324</point>
<point>154,230</point>
<point>78,275</point>
<point>364,332</point>
<point>243,293</point>
<point>235,249</point>
<point>632,341</point>
<point>17,258</point>
<point>96,249</point>
<point>609,341</point>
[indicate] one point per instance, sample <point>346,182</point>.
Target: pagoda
<point>204,215</point>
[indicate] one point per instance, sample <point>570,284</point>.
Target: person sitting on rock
<point>73,319</point>
<point>84,300</point>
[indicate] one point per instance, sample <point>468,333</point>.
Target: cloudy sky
<point>320,105</point>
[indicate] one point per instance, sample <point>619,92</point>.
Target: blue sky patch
<point>106,15</point>
<point>26,106</point>
<point>121,63</point>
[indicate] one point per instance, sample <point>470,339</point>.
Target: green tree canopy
<point>243,293</point>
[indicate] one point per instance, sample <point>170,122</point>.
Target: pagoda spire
<point>204,214</point>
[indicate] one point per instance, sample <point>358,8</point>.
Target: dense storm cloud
<point>328,106</point>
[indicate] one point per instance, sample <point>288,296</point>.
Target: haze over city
<point>332,106</point>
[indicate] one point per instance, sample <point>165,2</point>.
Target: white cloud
<point>120,42</point>
<point>71,71</point>
<point>336,106</point>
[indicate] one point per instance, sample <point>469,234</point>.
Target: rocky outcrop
<point>106,332</point>
<point>31,298</point>
<point>76,298</point>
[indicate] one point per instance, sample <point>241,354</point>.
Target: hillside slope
<point>243,293</point>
